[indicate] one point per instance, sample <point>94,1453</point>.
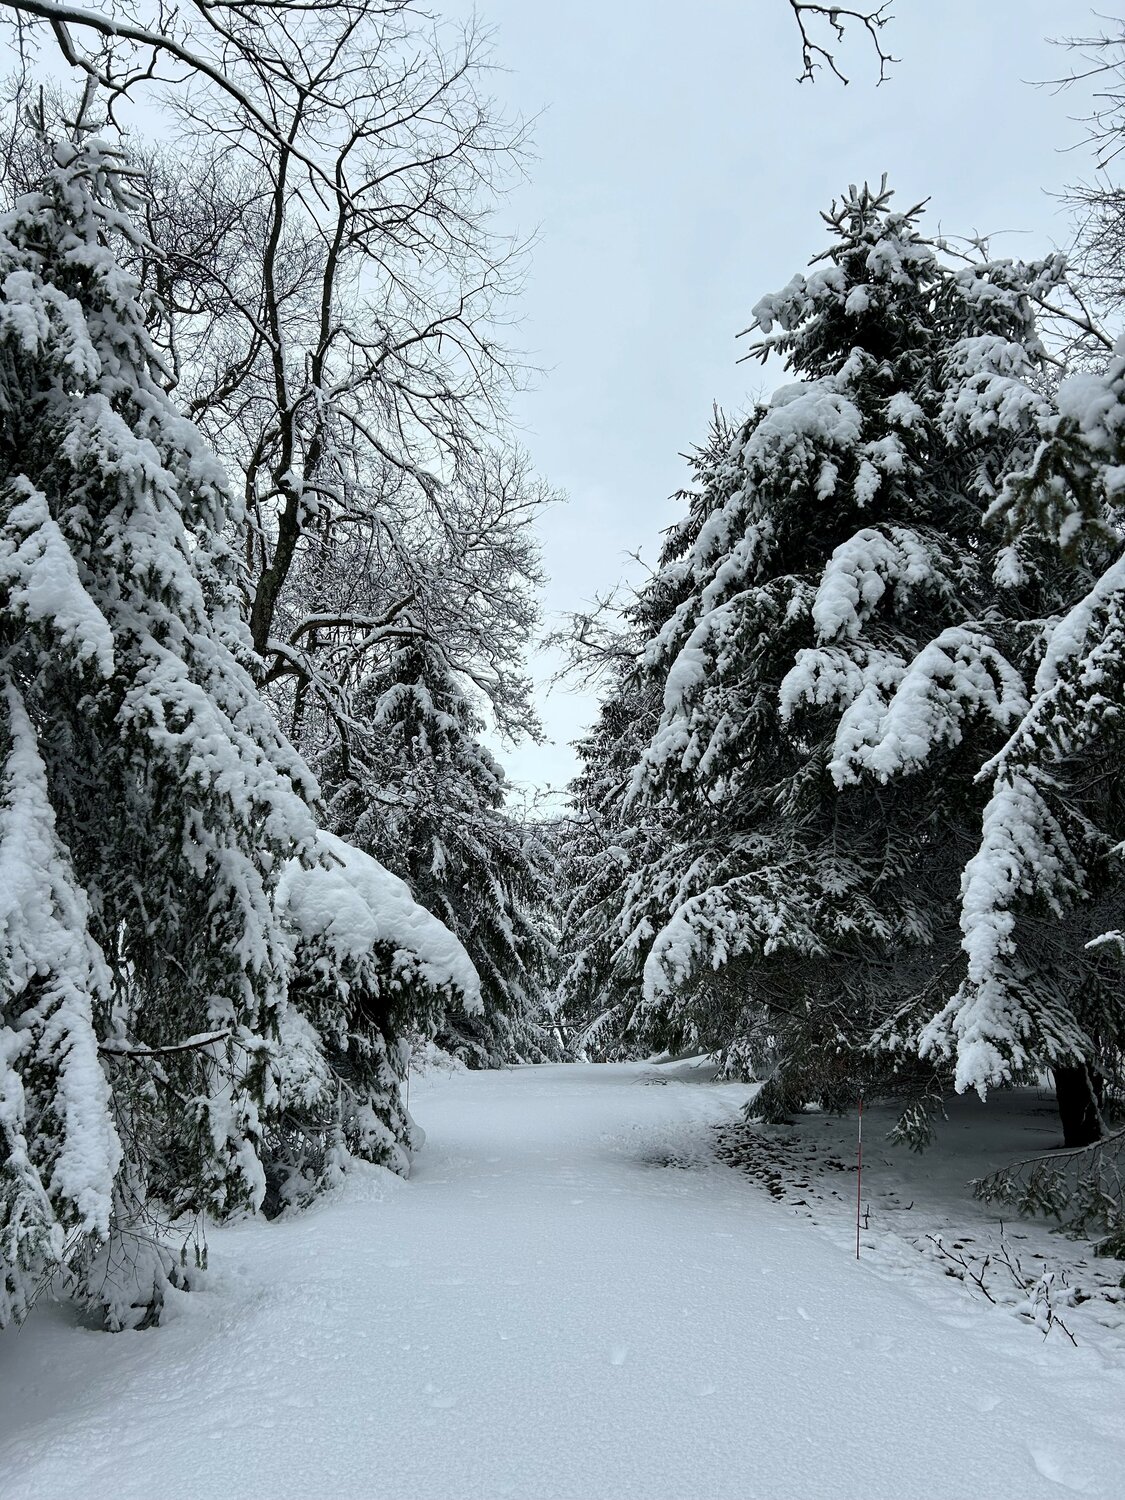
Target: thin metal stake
<point>859,1177</point>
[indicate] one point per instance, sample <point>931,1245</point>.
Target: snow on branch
<point>957,678</point>
<point>120,48</point>
<point>193,1044</point>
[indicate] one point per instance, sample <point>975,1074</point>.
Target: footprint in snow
<point>1053,1467</point>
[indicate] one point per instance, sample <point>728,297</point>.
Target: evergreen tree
<point>826,611</point>
<point>412,785</point>
<point>371,969</point>
<point>1043,893</point>
<point>148,797</point>
<point>600,844</point>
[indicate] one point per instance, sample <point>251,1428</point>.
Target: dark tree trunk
<point>1078,1106</point>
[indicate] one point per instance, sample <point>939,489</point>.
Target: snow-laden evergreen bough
<point>373,968</point>
<point>152,1063</point>
<point>832,643</point>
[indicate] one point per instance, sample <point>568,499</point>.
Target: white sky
<point>680,174</point>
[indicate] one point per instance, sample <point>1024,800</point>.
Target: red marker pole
<point>859,1177</point>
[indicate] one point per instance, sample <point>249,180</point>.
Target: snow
<point>919,1204</point>
<point>351,905</point>
<point>862,569</point>
<point>40,583</point>
<point>569,1299</point>
<point>1023,851</point>
<point>56,975</point>
<point>990,386</point>
<point>833,674</point>
<point>1093,402</point>
<point>958,677</point>
<point>1072,635</point>
<point>800,416</point>
<point>904,411</point>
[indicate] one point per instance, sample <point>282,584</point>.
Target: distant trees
<point>413,785</point>
<point>600,841</point>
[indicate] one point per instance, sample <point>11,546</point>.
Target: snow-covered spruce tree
<point>1044,892</point>
<point>147,798</point>
<point>606,836</point>
<point>832,562</point>
<point>596,849</point>
<point>410,783</point>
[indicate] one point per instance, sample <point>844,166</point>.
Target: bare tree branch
<point>834,21</point>
<point>193,1044</point>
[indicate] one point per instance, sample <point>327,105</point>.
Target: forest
<point>848,822</point>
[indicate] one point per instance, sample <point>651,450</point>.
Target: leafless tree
<point>1098,203</point>
<point>338,296</point>
<point>1099,62</point>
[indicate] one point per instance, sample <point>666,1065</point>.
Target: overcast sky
<point>680,174</point>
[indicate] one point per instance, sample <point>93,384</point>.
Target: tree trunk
<point>1078,1107</point>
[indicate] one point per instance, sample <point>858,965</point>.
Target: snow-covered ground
<point>571,1298</point>
<point>922,1205</point>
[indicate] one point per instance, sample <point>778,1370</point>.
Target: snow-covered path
<point>549,1310</point>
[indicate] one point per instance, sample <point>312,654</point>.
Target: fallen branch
<point>1040,1291</point>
